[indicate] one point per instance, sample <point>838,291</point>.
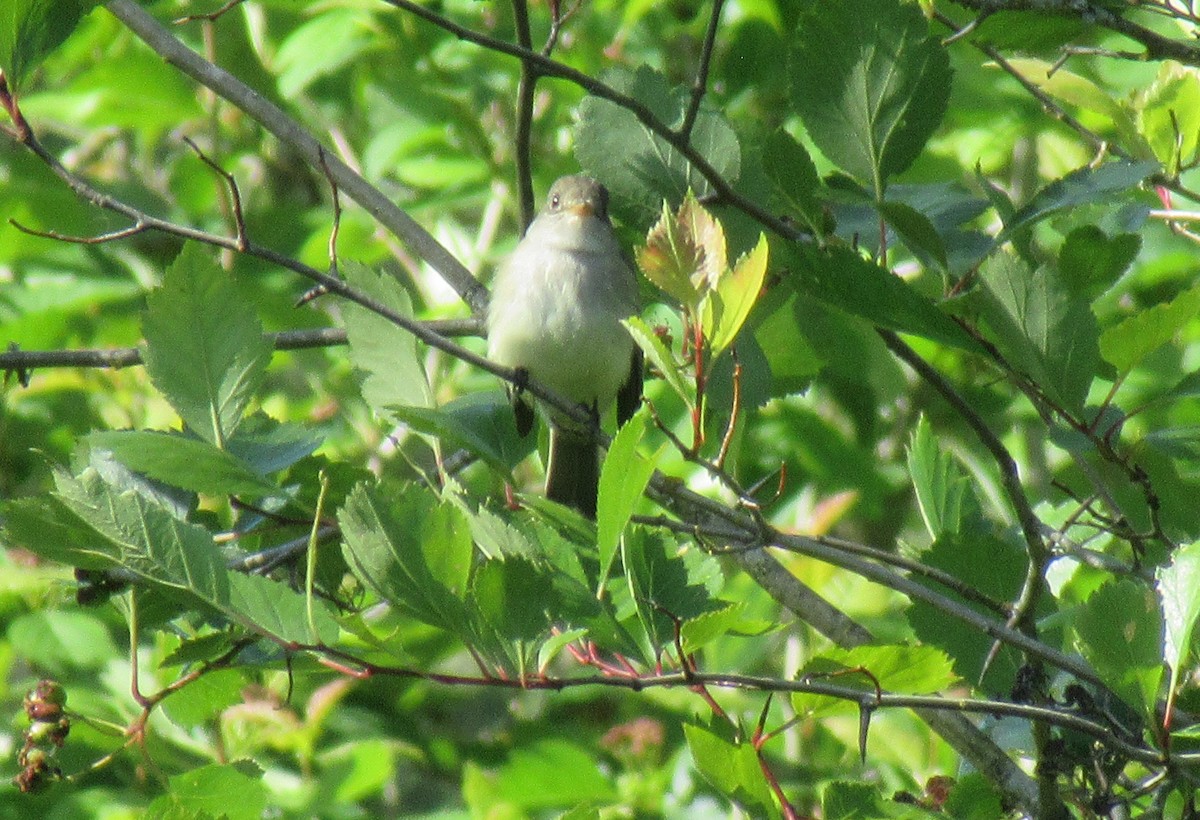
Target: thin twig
<point>700,83</point>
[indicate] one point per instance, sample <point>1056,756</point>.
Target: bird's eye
<point>554,202</point>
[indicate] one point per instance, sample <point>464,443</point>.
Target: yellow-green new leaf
<point>684,253</point>
<point>737,292</point>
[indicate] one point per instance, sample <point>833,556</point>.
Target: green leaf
<point>732,768</point>
<point>871,83</point>
<point>1121,634</point>
<point>843,800</point>
<point>1090,262</point>
<point>205,350</point>
<point>737,292</point>
<point>1082,187</point>
<point>182,461</point>
<point>898,668</point>
<point>669,585</point>
<point>1125,344</point>
<point>31,29</point>
<point>553,772</point>
<point>1169,116</point>
<point>481,423</point>
<point>781,332</point>
<point>278,611</point>
<point>1042,332</point>
<point>994,567</point>
<point>59,641</point>
<point>840,277</point>
<point>684,254</point>
<point>623,479</point>
<point>660,357</point>
<point>916,232</point>
<point>321,46</point>
<point>639,166</point>
<point>709,626</point>
<point>514,600</point>
<point>386,354</point>
<point>1179,588</point>
<point>220,791</point>
<point>393,541</point>
<point>944,494</point>
<point>793,178</point>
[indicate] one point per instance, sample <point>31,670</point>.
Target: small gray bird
<point>556,312</point>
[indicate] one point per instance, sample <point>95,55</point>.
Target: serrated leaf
<point>279,611</point>
<point>205,349</point>
<point>182,461</point>
<point>1081,187</point>
<point>638,166</point>
<point>916,232</point>
<point>871,83</point>
<point>943,491</point>
<point>384,532</point>
<point>845,800</point>
<point>898,668</point>
<point>158,548</point>
<point>793,177</point>
<point>668,585</point>
<point>218,791</point>
<point>623,479</point>
<point>840,277</point>
<point>1121,634</point>
<point>732,769</point>
<point>1043,333</point>
<point>481,423</point>
<point>737,291</point>
<point>1169,116</point>
<point>1124,345</point>
<point>31,29</point>
<point>684,254</point>
<point>1179,589</point>
<point>709,626</point>
<point>386,354</point>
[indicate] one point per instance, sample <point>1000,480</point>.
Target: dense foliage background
<point>907,527</point>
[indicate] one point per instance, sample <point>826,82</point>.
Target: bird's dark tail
<point>573,471</point>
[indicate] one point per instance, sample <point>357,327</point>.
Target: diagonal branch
<point>288,131</point>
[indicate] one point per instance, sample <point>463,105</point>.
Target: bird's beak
<point>583,210</point>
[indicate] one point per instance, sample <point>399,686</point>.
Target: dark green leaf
<point>1090,262</point>
<point>794,180</point>
<point>1082,187</point>
<point>638,165</point>
<point>871,83</point>
<point>182,461</point>
<point>944,493</point>
<point>1121,635</point>
<point>390,536</point>
<point>1042,332</point>
<point>840,277</point>
<point>31,29</point>
<point>481,423</point>
<point>916,231</point>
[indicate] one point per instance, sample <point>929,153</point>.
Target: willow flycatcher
<point>555,315</point>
